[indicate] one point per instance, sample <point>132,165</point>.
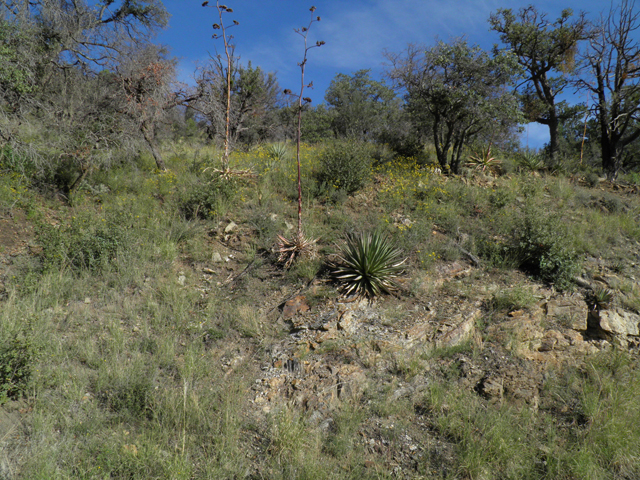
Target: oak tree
<point>547,51</point>
<point>456,91</point>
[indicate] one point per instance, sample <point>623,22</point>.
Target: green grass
<point>121,370</point>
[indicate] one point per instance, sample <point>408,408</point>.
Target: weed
<point>530,161</point>
<point>483,161</point>
<point>278,153</point>
<point>127,391</point>
<point>601,298</point>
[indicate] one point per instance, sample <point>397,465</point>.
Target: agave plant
<point>484,161</point>
<point>601,298</point>
<point>277,152</point>
<point>367,265</point>
<point>531,161</point>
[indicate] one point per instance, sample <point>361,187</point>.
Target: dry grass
<point>145,360</point>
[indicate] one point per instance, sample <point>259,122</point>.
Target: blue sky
<point>356,33</point>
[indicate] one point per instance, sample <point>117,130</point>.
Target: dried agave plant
<point>300,245</point>
<point>297,247</point>
<point>227,69</point>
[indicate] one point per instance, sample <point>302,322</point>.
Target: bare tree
<point>253,96</point>
<point>146,90</point>
<point>612,75</point>
<point>90,34</point>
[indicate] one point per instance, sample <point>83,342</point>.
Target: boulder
<point>619,322</point>
<point>464,329</point>
<point>569,310</point>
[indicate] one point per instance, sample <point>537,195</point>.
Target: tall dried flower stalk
<point>300,245</point>
<point>229,49</point>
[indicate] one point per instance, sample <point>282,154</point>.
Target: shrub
<point>345,166</point>
<point>592,179</point>
<point>367,265</point>
<point>82,244</point>
<point>541,248</point>
<point>206,200</point>
<point>17,357</point>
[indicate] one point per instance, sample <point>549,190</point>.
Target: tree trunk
<point>611,158</point>
<point>149,137</point>
<point>456,154</point>
<point>553,133</point>
<point>442,141</point>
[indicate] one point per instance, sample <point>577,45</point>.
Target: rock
<point>182,280</point>
<point>461,333</point>
<point>347,323</point>
<point>619,322</point>
<point>326,426</point>
<point>569,310</point>
<point>553,340</point>
<point>491,388</point>
<point>216,257</point>
<point>525,330</point>
<point>231,227</point>
<point>401,392</point>
<point>351,382</point>
<point>418,333</point>
<point>294,306</point>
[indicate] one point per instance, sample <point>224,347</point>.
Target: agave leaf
<point>367,264</point>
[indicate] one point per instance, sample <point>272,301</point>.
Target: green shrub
<point>82,244</point>
<point>207,200</point>
<point>17,357</point>
<point>592,179</point>
<point>612,203</point>
<point>345,166</point>
<point>542,248</point>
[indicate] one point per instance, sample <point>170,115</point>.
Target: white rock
<point>231,227</point>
